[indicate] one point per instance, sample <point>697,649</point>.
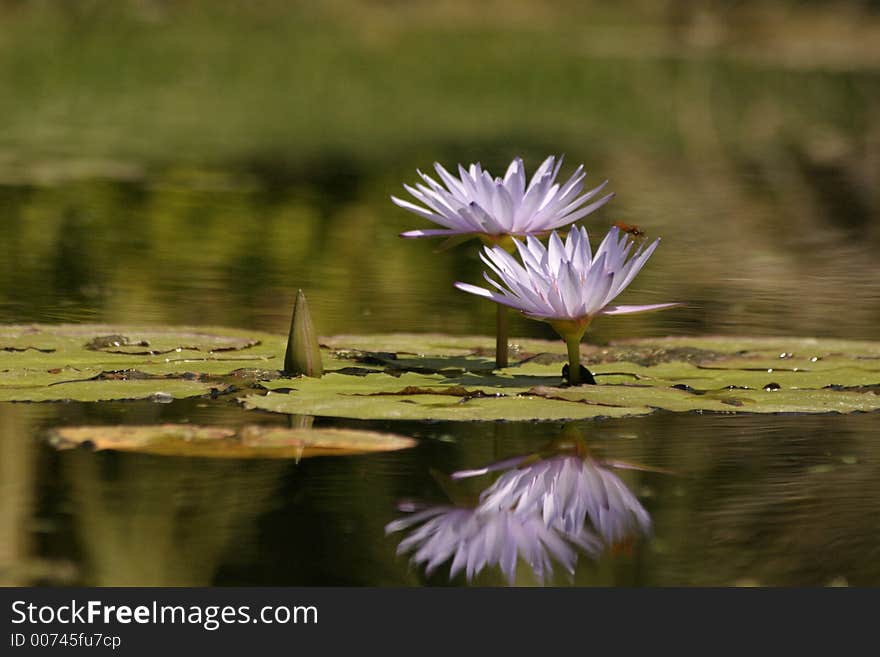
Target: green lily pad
<point>432,376</point>
<point>160,390</point>
<point>252,441</point>
<point>422,345</point>
<point>95,362</point>
<point>715,374</point>
<point>770,346</point>
<point>413,396</point>
<point>126,347</point>
<point>418,344</point>
<point>720,375</point>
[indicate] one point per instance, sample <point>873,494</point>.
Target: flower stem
<point>574,360</point>
<point>501,336</point>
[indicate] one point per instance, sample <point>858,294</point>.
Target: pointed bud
<point>303,355</point>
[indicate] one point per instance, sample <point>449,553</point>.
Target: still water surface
<point>749,500</point>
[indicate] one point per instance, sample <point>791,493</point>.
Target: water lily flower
<point>476,538</point>
<point>566,284</point>
<point>476,204</point>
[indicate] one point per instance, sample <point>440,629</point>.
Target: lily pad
<point>120,347</point>
<point>413,396</point>
<point>95,362</point>
<point>771,346</point>
<point>421,345</point>
<point>715,374</point>
<point>160,390</point>
<point>432,376</point>
<point>252,441</point>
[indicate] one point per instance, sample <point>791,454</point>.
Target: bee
<point>629,229</point>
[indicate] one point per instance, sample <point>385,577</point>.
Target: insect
<point>630,229</point>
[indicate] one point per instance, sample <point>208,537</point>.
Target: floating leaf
<point>718,375</point>
<point>768,346</point>
<point>435,344</point>
<point>94,362</point>
<point>443,377</point>
<point>635,378</point>
<point>160,390</point>
<point>414,396</point>
<point>123,339</point>
<point>118,347</point>
<point>252,441</point>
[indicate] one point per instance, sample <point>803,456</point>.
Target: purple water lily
<point>566,284</point>
<point>480,205</point>
<point>476,204</point>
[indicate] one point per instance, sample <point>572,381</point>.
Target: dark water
<point>200,189</point>
<point>751,500</point>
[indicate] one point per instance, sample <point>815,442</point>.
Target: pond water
<point>748,500</point>
<point>759,172</point>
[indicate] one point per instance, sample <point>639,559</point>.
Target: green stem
<point>574,360</point>
<point>501,336</point>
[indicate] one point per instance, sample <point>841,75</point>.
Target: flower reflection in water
<point>477,537</point>
<point>569,491</point>
<point>543,508</point>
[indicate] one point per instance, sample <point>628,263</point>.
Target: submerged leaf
<point>252,441</point>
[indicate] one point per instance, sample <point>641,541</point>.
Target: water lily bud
<point>303,355</point>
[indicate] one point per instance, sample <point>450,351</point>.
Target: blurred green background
<point>197,162</point>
